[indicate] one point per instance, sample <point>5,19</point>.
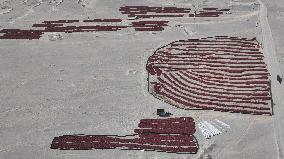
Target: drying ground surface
<point>95,83</point>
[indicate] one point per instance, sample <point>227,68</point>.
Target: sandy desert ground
<point>96,82</point>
